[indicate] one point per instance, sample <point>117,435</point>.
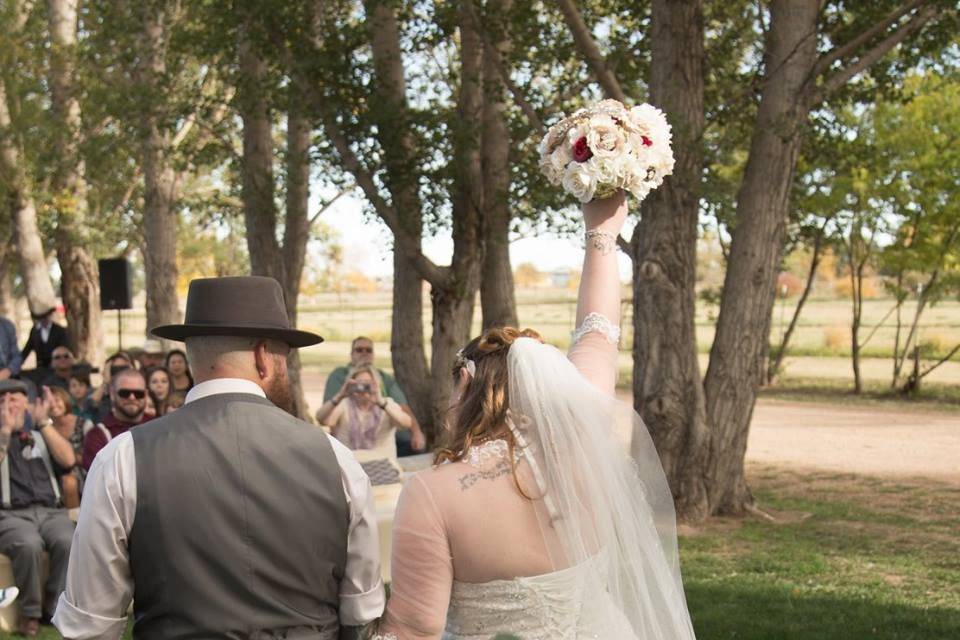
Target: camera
<point>362,387</point>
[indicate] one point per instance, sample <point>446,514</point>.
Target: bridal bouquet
<point>597,151</point>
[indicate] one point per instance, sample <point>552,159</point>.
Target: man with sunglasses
<point>128,402</point>
<point>409,441</point>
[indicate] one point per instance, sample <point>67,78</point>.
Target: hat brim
<point>292,337</point>
<point>41,316</point>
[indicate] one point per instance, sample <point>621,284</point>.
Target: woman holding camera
<point>362,419</point>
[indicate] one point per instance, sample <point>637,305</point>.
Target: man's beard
<point>279,392</point>
<point>126,413</point>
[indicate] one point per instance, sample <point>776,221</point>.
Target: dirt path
<point>894,443</point>
<point>869,440</point>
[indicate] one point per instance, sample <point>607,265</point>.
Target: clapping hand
<point>40,410</point>
<point>11,416</point>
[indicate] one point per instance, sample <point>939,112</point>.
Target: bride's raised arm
<point>593,349</point>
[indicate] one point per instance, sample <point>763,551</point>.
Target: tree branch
<point>869,58</point>
<point>435,275</point>
<point>327,205</point>
<point>952,353</point>
<point>588,47</point>
<point>847,49</point>
<point>531,114</point>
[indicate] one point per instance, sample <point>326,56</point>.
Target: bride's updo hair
<point>482,409</point>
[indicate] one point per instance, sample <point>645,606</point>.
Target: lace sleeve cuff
<point>599,323</point>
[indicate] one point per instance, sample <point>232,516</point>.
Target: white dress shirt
<point>99,584</point>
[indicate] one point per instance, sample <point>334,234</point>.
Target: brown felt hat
<point>236,306</point>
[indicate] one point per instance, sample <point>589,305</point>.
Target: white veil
<point>596,507</point>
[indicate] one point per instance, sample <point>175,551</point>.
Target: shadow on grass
<point>765,612</point>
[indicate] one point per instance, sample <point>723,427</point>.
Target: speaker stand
<point>119,330</point>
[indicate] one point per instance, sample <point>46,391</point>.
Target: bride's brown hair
<point>483,407</point>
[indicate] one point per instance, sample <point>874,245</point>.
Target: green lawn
<point>850,557</point>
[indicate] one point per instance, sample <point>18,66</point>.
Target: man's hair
<point>358,339</point>
<point>63,347</point>
<point>129,372</point>
<point>204,351</point>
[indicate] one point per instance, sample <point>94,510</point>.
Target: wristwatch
<point>43,424</point>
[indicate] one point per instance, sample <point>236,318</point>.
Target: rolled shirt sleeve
<point>362,596</point>
<point>99,585</point>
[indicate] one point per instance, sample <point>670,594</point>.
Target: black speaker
<point>116,287</point>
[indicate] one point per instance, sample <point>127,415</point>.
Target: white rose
<point>604,169</point>
<point>605,137</point>
<point>547,168</point>
<point>561,157</point>
<point>579,181</point>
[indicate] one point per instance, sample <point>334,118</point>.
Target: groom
<point>228,518</point>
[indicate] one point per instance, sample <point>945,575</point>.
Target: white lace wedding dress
<point>579,543</point>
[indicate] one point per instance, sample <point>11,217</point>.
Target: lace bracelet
<point>604,241</point>
<point>599,323</point>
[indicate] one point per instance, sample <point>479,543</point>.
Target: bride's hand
<point>608,214</point>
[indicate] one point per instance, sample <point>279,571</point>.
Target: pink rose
<point>581,150</point>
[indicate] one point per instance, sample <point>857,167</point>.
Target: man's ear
<point>262,359</point>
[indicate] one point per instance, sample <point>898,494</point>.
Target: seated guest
<point>81,396</point>
<point>128,401</point>
<point>32,519</point>
<point>152,355</point>
<point>9,350</point>
<point>62,366</point>
<point>180,377</point>
<point>45,336</point>
<point>361,354</point>
<point>174,402</point>
<point>72,427</point>
<point>158,391</point>
<point>101,395</point>
<point>360,417</point>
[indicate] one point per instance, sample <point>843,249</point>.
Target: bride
<point>534,521</point>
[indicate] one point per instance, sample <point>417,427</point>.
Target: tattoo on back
<point>466,481</point>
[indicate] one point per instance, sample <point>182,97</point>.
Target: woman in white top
<point>361,418</point>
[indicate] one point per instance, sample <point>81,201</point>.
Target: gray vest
<point>241,524</point>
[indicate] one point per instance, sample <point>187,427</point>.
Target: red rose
<point>581,150</point>
<point>647,142</point>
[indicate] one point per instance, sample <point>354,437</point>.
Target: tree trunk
<point>668,389</point>
<point>23,213</point>
<point>296,229</point>
<point>740,347</point>
<point>8,304</point>
<point>497,299</point>
<point>267,256</point>
<point>160,219</point>
<point>80,286</point>
<point>392,116</point>
<point>856,288</point>
<point>453,300</point>
<point>777,362</point>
